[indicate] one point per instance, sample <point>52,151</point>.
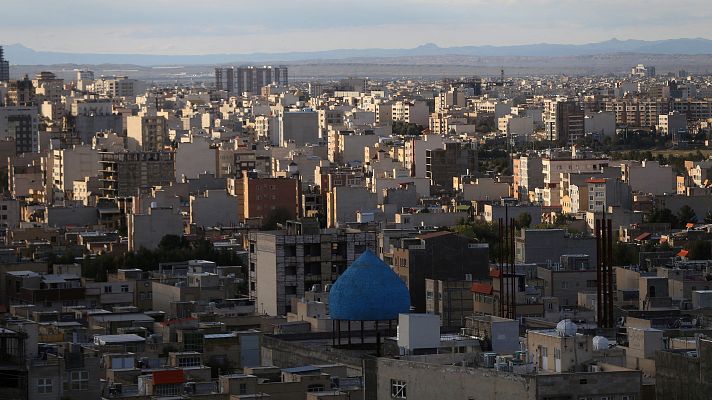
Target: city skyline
<point>177,27</point>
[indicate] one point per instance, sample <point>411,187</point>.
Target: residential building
<point>287,263</point>
<point>458,259</point>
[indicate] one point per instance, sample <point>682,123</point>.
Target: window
<point>167,390</point>
<point>107,289</point>
<point>315,388</point>
<point>79,380</point>
<point>627,397</point>
<point>124,288</point>
<point>189,361</point>
<point>44,385</point>
<point>398,389</point>
<point>243,388</point>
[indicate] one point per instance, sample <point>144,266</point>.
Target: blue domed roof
<point>368,291</point>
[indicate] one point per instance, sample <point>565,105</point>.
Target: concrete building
<point>147,133</point>
<point>284,264</point>
<point>604,193</point>
<point>484,189</point>
<point>4,67</point>
<point>147,230</point>
<point>568,277</point>
<point>553,167</point>
<point>415,112</point>
<point>415,153</point>
<point>450,300</point>
<point>259,198</point>
<point>534,246</point>
<point>122,174</point>
<point>69,165</point>
<point>493,212</point>
<point>673,124</point>
<point>344,202</point>
<point>442,256</point>
<point>299,127</point>
<point>415,379</point>
<point>528,175</point>
<point>20,124</point>
<point>9,213</point>
<point>194,158</point>
<point>214,208</point>
<point>512,124</point>
<point>602,123</point>
<point>564,120</point>
<point>455,159</point>
<point>695,384</point>
<point>118,86</point>
<point>648,177</point>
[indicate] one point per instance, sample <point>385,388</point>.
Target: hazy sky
<point>242,26</point>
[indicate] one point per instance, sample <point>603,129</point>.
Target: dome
<point>566,328</point>
<point>368,291</point>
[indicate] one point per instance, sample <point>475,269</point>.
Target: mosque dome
<point>368,290</point>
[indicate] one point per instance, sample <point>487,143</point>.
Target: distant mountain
<point>21,55</point>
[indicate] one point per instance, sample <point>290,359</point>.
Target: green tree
<point>523,220</point>
<point>172,242</point>
<point>700,250</point>
<point>708,218</point>
<point>686,215</point>
<point>625,254</point>
<point>276,217</point>
<point>664,215</point>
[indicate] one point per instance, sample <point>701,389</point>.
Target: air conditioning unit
<point>189,388</point>
<point>489,359</point>
<point>115,389</point>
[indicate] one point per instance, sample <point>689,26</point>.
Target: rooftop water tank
<point>566,328</point>
<point>600,343</point>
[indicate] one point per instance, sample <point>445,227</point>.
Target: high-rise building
<point>4,67</point>
<point>225,79</point>
<point>117,86</point>
<point>455,159</point>
<point>564,120</point>
<point>121,174</point>
<point>147,132</point>
<point>249,78</point>
<point>285,264</point>
<point>21,125</point>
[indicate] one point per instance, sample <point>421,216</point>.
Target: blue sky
<point>244,26</point>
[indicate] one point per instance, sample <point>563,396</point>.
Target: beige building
<point>147,230</point>
<point>147,132</point>
<point>73,164</point>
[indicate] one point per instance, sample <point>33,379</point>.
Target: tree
<point>625,254</point>
<point>700,250</point>
<point>276,217</point>
<point>523,220</point>
<point>708,218</point>
<point>686,215</point>
<point>173,242</point>
<point>664,215</point>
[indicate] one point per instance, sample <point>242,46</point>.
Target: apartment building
<point>287,263</point>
